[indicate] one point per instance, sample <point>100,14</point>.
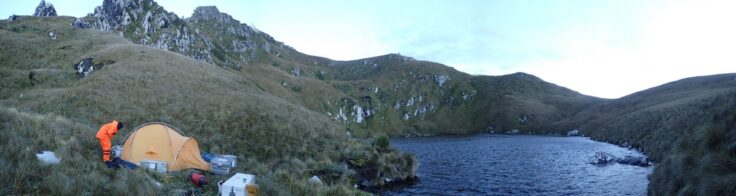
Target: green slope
<point>281,142</point>
<point>390,94</point>
<point>687,125</point>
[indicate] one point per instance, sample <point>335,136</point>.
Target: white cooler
<point>240,185</point>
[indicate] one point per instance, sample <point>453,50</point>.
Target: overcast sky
<point>602,48</point>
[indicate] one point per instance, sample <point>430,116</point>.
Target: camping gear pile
<point>161,148</point>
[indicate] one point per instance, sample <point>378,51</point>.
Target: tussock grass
<point>702,163</point>
<point>80,171</point>
<point>227,112</point>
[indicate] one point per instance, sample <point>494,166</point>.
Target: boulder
<point>53,35</point>
<point>45,9</point>
<point>602,158</point>
<point>85,67</point>
<point>315,180</point>
<point>634,160</point>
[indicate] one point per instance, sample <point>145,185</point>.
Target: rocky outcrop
<point>80,24</point>
<point>208,35</point>
<point>634,160</point>
<point>53,35</point>
<point>85,67</point>
<point>604,158</point>
<point>45,9</point>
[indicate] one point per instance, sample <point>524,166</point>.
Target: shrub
<point>381,142</point>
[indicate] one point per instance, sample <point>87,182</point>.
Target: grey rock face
<point>209,35</point>
<point>45,9</point>
<point>80,24</point>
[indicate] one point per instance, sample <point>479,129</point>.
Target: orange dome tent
<point>162,142</point>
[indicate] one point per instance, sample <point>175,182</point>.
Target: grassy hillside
<point>686,125</point>
<point>702,159</point>
<point>654,118</point>
<point>390,94</point>
<point>46,106</point>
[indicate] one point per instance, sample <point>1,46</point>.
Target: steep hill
<point>46,105</point>
<point>688,125</point>
<point>652,119</point>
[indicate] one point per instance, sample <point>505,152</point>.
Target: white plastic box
<point>153,165</point>
<point>237,185</point>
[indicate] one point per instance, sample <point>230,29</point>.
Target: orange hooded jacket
<point>105,136</point>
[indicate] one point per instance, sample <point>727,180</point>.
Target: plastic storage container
<point>240,185</point>
<point>231,158</point>
<point>153,165</point>
<point>220,166</point>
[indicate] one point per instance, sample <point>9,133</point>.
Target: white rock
<point>441,79</point>
<point>358,114</point>
<point>315,180</point>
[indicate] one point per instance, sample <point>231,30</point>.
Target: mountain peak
<point>203,13</point>
<point>45,9</point>
<point>206,11</point>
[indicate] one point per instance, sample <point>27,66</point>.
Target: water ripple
<point>518,165</point>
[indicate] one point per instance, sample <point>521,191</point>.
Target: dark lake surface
<point>518,165</point>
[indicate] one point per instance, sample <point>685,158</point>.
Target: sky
<point>603,48</point>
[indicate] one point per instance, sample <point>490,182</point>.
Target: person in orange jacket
<point>105,136</point>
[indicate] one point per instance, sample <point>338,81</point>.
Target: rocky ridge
<point>145,22</point>
<point>45,9</point>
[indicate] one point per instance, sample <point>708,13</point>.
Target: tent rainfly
<point>162,142</point>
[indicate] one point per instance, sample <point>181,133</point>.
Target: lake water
<point>518,165</point>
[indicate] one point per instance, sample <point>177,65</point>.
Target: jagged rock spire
<point>45,9</point>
